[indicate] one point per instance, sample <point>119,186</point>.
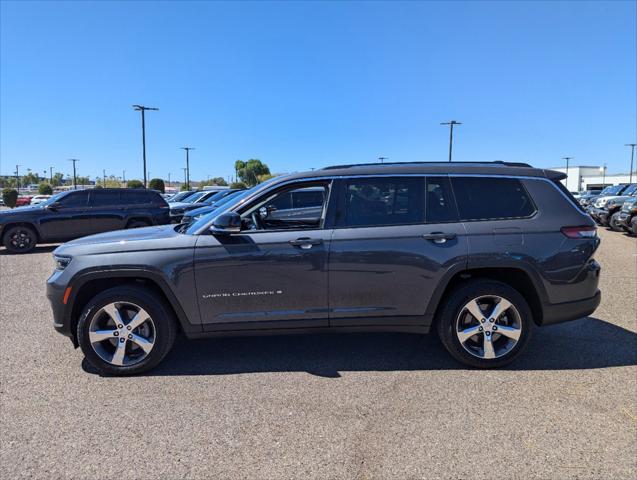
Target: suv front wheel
<point>485,324</point>
<point>126,330</point>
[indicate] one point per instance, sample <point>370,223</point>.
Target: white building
<point>588,177</point>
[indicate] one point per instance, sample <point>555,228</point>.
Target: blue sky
<point>306,84</point>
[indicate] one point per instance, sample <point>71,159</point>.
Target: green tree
<point>29,178</point>
<point>9,197</point>
<point>239,185</point>
<point>135,184</point>
<point>183,187</point>
<point>45,189</point>
<point>157,184</point>
<point>56,181</point>
<point>249,172</point>
<point>214,181</point>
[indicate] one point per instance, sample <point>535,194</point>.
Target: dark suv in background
<point>478,252</point>
<point>78,213</point>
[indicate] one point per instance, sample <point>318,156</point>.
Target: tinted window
<point>482,198</point>
<point>104,198</point>
<point>308,198</point>
<point>440,204</point>
<point>75,199</point>
<point>136,197</point>
<point>384,201</point>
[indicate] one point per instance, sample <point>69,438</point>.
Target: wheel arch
<point>31,225</point>
<point>87,285</point>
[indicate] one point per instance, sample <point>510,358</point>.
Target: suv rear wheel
<point>485,324</point>
<point>126,330</point>
<point>20,239</point>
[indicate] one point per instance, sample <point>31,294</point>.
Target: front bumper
<point>55,291</point>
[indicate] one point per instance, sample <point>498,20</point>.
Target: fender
<point>149,273</point>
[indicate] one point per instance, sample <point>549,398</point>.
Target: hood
<point>21,210</point>
<point>147,238</point>
<point>201,210</point>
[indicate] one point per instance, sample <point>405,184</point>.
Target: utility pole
<point>567,160</point>
<point>74,176</point>
<point>604,176</point>
<point>382,159</point>
<point>187,165</point>
<point>185,170</point>
<point>451,124</point>
<point>104,176</point>
<point>141,108</point>
<point>169,179</point>
<point>17,176</point>
<point>51,175</point>
<point>632,157</point>
<point>123,176</point>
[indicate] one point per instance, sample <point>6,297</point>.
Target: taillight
<point>585,231</point>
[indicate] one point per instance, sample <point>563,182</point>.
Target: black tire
<point>20,239</point>
<point>164,325</point>
<point>613,222</point>
<point>137,224</point>
<point>633,225</point>
<point>452,308</point>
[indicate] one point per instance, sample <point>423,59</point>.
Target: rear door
<point>394,240</point>
<point>107,210</point>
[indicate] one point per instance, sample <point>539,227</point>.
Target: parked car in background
<point>600,208</point>
<point>609,212</point>
<point>201,198</point>
<point>586,199</point>
<point>23,201</point>
<point>627,218</point>
<point>178,197</point>
<point>39,199</point>
<point>586,193</point>
<point>194,215</point>
<point>478,252</point>
<point>77,213</point>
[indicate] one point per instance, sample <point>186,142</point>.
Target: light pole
<point>51,174</point>
<point>169,179</point>
<point>603,170</point>
<point>382,159</point>
<point>74,176</point>
<point>123,176</point>
<point>567,160</point>
<point>17,176</point>
<point>142,108</point>
<point>632,157</point>
<point>185,170</point>
<point>451,124</point>
<point>187,149</point>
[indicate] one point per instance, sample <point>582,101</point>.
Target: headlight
<point>610,203</point>
<point>61,262</point>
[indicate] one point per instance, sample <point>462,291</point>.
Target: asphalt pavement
<point>323,406</point>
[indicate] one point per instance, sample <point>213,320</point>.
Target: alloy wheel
<point>488,327</point>
<point>21,239</point>
<point>122,333</point>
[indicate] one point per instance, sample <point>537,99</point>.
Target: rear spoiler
<point>554,175</point>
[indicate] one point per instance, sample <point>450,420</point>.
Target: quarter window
<point>137,198</point>
<point>384,201</point>
<point>484,198</point>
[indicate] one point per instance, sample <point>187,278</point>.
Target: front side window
<point>491,198</point>
<point>384,201</point>
<point>74,199</point>
<point>293,208</point>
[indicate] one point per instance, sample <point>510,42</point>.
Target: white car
<point>39,199</point>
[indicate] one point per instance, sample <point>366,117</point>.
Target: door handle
<point>439,237</point>
<point>305,242</point>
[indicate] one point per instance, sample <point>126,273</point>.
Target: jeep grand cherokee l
<point>479,252</point>
<point>77,213</point>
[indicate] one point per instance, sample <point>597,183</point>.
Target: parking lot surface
<point>323,406</point>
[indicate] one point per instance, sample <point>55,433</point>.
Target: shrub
<point>45,189</point>
<point>135,184</point>
<point>157,184</point>
<point>238,185</point>
<point>10,197</point>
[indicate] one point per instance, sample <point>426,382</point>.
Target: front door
<point>273,274</point>
<point>387,256</point>
<point>69,218</point>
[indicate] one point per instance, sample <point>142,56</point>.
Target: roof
<point>441,168</point>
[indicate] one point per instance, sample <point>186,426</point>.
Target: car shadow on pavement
<point>583,344</point>
<point>37,249</point>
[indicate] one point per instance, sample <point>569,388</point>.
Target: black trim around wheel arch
<point>80,279</point>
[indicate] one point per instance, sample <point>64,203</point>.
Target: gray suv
<point>479,252</point>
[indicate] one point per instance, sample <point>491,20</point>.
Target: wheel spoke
<point>467,333</point>
<point>474,309</point>
<point>487,347</point>
<point>118,356</point>
<point>100,335</point>
<point>112,311</point>
<point>139,318</point>
<point>145,344</point>
<point>511,332</point>
<point>501,307</point>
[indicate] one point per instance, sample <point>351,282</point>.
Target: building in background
<point>588,177</point>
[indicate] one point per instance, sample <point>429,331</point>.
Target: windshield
<point>216,197</point>
<point>630,190</point>
<point>179,196</point>
<point>194,197</point>
<point>614,190</point>
<point>239,198</point>
<point>53,198</point>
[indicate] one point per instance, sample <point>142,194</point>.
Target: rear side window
<point>490,198</point>
<point>384,201</point>
<point>137,197</point>
<point>104,198</point>
<point>440,204</point>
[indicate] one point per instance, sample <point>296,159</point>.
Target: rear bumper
<point>563,312</point>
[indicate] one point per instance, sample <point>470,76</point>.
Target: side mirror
<point>226,224</point>
<point>54,206</point>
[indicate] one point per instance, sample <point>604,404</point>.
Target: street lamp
<point>187,149</point>
<point>382,159</point>
<point>632,157</point>
<point>451,124</point>
<point>141,108</point>
<point>74,176</point>
<point>603,170</point>
<point>567,160</point>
